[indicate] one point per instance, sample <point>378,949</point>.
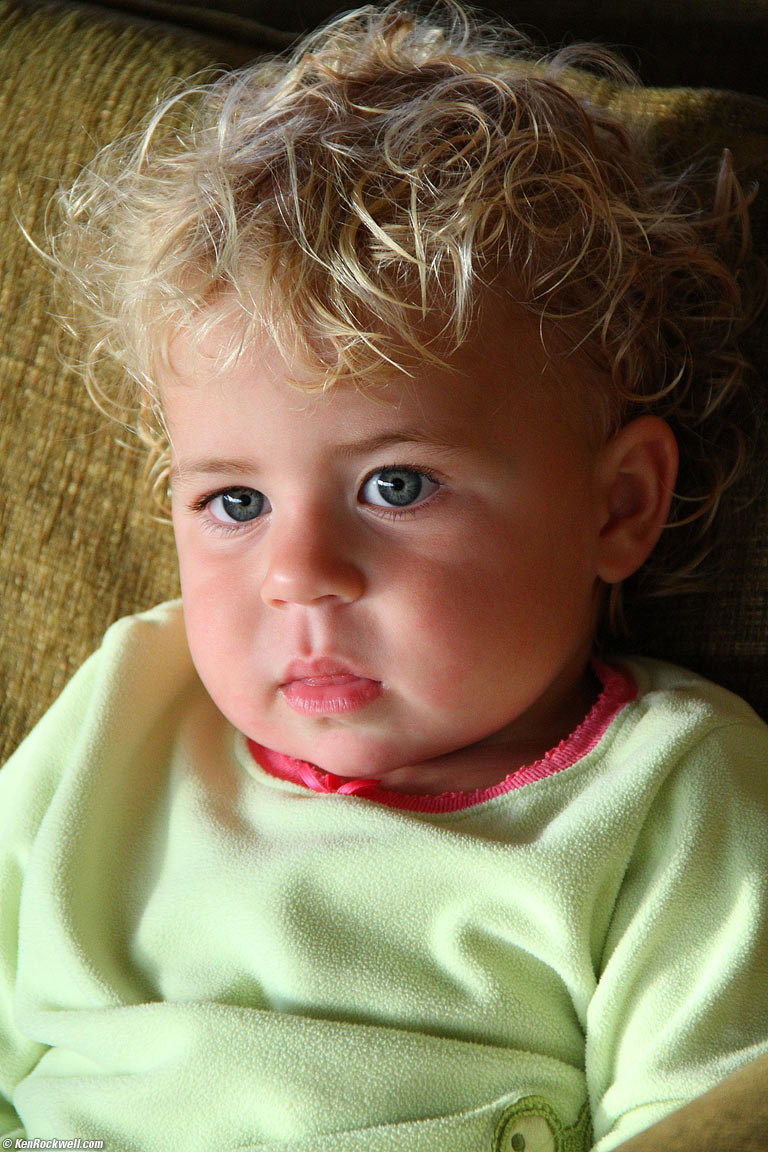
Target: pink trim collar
<point>619,688</point>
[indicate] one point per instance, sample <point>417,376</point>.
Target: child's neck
<point>489,761</point>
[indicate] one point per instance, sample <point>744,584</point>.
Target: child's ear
<point>638,477</point>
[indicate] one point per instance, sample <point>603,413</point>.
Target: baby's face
<point>369,585</point>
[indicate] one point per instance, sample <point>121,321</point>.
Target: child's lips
<point>327,686</point>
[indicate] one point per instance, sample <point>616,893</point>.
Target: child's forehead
<point>509,340</point>
<point>504,368</point>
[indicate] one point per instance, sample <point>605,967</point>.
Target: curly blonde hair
<point>361,199</point>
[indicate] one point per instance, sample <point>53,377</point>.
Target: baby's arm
<point>18,811</point>
<point>681,1000</point>
<point>27,784</point>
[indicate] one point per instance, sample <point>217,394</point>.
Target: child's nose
<point>310,562</point>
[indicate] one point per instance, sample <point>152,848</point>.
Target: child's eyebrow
<point>209,467</point>
<point>388,439</point>
<point>216,465</point>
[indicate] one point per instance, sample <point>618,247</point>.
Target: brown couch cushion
<point>79,548</point>
<point>700,43</point>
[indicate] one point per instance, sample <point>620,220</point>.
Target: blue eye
<point>396,487</point>
<point>238,505</point>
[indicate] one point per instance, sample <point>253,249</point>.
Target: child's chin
<point>352,766</point>
<point>357,758</point>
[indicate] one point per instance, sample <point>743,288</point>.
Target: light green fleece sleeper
<point>196,953</point>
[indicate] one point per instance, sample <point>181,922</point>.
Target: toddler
<point>360,847</point>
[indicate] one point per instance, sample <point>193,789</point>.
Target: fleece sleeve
<point>681,999</point>
<point>28,782</point>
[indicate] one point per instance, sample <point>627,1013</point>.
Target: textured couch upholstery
<point>79,546</point>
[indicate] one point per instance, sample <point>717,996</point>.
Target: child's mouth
<point>323,688</point>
